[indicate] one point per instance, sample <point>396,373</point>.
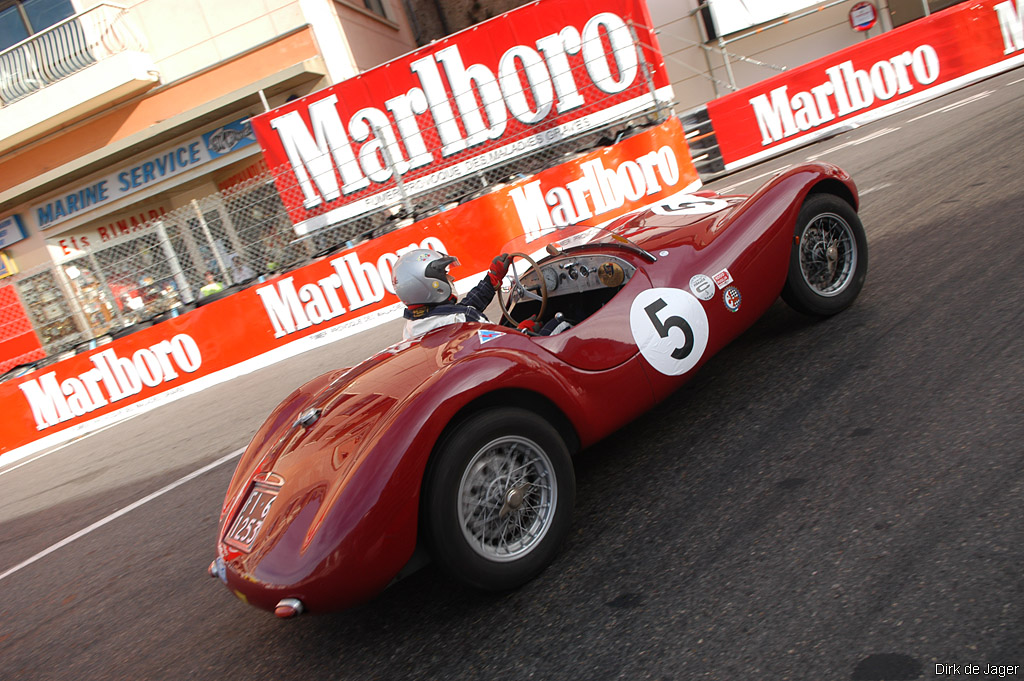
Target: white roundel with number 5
<point>670,327</point>
<point>688,204</point>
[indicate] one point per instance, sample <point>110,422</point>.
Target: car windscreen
<point>562,239</point>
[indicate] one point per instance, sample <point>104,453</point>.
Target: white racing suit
<point>423,318</point>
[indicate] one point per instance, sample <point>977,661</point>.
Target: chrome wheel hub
<point>828,254</point>
<point>507,498</point>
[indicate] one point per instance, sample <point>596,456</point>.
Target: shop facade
<point>132,182</point>
<point>128,266</point>
<point>128,246</point>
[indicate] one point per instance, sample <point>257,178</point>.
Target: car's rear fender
<point>277,423</point>
<point>384,493</point>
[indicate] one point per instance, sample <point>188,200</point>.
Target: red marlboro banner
<point>343,291</point>
<point>504,88</point>
<point>891,70</point>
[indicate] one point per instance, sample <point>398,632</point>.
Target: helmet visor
<point>438,269</point>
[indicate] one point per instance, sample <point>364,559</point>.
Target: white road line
<point>955,105</point>
<point>726,190</point>
<point>124,511</point>
<point>56,449</point>
<point>875,188</point>
<point>853,143</point>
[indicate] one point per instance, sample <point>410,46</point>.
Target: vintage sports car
<point>459,442</point>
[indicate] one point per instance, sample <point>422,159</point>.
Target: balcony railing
<point>64,49</point>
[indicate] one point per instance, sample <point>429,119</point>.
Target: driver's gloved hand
<point>499,268</point>
<point>529,325</point>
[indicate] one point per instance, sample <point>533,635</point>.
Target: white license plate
<point>249,520</point>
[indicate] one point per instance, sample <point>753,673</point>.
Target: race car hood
<point>696,220</point>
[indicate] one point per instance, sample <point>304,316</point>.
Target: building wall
<point>134,117</point>
<point>189,35</point>
<point>375,39</point>
<point>699,73</point>
<point>186,36</point>
<point>215,58</point>
<point>435,16</point>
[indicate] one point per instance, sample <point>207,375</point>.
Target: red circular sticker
<point>863,16</point>
<point>732,298</point>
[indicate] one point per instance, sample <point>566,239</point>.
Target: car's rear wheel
<point>829,260</point>
<point>498,499</point>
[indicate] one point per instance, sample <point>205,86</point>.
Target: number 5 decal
<point>670,327</point>
<point>673,322</point>
<point>688,204</point>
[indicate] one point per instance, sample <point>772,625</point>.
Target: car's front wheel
<point>829,260</point>
<point>498,498</point>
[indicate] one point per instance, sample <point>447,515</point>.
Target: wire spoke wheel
<point>507,499</point>
<point>828,254</point>
<point>497,498</point>
<point>829,259</point>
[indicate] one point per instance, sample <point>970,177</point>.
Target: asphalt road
<point>826,500</point>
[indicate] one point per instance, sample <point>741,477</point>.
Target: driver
<point>422,282</point>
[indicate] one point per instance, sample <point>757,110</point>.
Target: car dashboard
<point>577,274</point>
<point>577,286</point>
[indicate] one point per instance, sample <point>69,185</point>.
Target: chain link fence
<point>146,273</point>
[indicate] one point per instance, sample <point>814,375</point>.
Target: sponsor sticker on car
<point>732,298</point>
<point>702,286</point>
<point>485,336</point>
<point>722,279</point>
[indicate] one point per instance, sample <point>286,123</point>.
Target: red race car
<point>459,442</point>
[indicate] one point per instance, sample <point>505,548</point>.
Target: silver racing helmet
<point>421,277</point>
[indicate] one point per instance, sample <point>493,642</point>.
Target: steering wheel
<point>506,308</point>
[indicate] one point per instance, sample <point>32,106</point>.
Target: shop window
<point>158,269</point>
<point>143,276</point>
<point>129,282</point>
<point>94,298</point>
<point>50,311</point>
<point>262,224</point>
<point>375,6</point>
<point>213,243</point>
<point>188,276</point>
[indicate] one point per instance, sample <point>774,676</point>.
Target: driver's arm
<point>482,294</point>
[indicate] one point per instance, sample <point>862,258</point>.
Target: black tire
<point>475,464</point>
<point>829,260</point>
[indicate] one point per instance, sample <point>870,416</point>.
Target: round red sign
<point>863,16</point>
